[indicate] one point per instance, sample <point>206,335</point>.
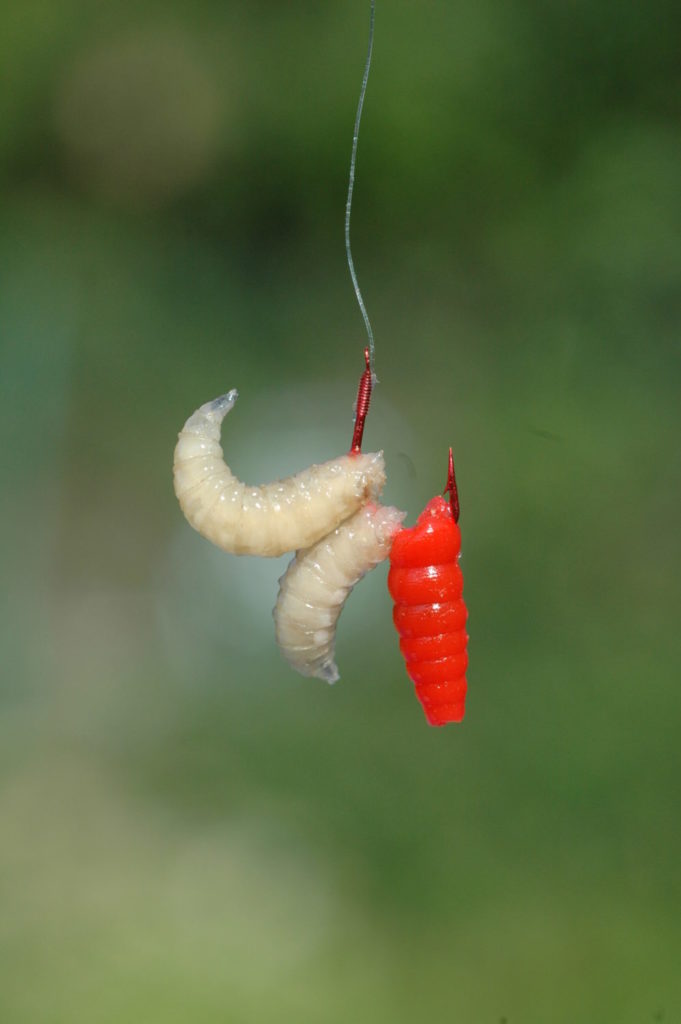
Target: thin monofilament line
<point>351,185</point>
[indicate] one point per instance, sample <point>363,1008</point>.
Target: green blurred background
<point>189,831</point>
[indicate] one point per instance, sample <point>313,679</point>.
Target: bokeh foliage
<point>188,830</point>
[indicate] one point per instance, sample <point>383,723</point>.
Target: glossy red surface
<point>426,584</point>
<point>424,648</point>
<point>434,540</point>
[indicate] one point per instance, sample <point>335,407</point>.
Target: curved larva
<point>269,519</point>
<point>316,585</point>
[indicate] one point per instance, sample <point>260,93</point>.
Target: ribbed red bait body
<point>426,584</point>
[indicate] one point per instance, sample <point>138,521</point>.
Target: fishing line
<point>351,185</point>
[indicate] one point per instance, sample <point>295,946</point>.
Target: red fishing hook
<point>362,405</point>
<point>451,488</point>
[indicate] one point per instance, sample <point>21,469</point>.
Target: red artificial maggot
<point>426,584</point>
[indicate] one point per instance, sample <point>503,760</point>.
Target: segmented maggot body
<point>316,585</point>
<point>426,583</point>
<point>269,519</point>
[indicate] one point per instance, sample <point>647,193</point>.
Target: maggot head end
<point>225,402</point>
<point>216,410</point>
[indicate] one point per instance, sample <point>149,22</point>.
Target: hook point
<point>452,489</point>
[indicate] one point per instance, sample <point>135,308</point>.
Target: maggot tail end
<point>328,672</point>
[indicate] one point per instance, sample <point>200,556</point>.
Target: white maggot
<point>316,585</point>
<point>273,518</point>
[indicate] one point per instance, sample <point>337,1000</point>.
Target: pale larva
<point>316,585</point>
<point>273,518</point>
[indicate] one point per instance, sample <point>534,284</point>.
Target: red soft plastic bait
<point>426,584</point>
